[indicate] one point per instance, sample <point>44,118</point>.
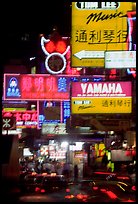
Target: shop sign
<point>78,154</point>
<point>8,123</point>
<point>120,59</point>
<point>103,27</point>
<point>60,154</point>
<point>24,119</point>
<point>50,128</point>
<point>36,87</point>
<point>101,97</point>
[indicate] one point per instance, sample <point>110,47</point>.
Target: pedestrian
<point>76,171</point>
<point>104,160</point>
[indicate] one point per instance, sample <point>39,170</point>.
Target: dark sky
<point>21,18</point>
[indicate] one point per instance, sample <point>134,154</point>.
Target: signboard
<point>36,87</point>
<point>101,97</point>
<point>51,128</point>
<point>53,112</point>
<point>120,59</point>
<point>24,119</point>
<point>103,27</point>
<point>8,123</point>
<point>120,155</point>
<point>132,36</point>
<point>55,52</point>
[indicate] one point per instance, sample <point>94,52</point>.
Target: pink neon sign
<point>101,89</point>
<point>36,87</point>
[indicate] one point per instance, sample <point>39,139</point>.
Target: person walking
<point>76,172</point>
<point>104,161</point>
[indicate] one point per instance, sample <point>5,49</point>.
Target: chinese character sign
<point>103,26</point>
<point>36,87</point>
<point>102,97</point>
<point>24,119</point>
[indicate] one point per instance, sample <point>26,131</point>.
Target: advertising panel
<point>53,112</point>
<point>24,119</point>
<point>103,27</point>
<point>35,87</point>
<point>102,97</point>
<point>120,59</point>
<point>54,128</point>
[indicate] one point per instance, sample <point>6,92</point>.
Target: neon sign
<point>131,37</point>
<point>13,89</point>
<point>37,87</point>
<point>101,97</point>
<point>55,52</point>
<point>61,111</point>
<point>24,119</point>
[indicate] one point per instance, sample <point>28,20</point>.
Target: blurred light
<point>111,194</point>
<point>95,188</point>
<point>79,68</point>
<point>61,46</point>
<point>103,190</point>
<point>106,173</point>
<point>121,187</point>
<point>79,145</point>
<point>134,188</point>
<point>67,190</point>
<point>123,177</point>
<point>64,144</point>
<point>79,196</point>
<point>37,189</point>
<point>113,142</point>
<point>43,191</point>
<point>34,173</point>
<point>53,174</point>
<point>32,58</point>
<point>111,132</point>
<point>44,174</point>
<point>50,47</point>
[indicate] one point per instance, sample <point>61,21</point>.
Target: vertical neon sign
<point>131,36</point>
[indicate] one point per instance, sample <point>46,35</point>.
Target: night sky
<point>22,22</point>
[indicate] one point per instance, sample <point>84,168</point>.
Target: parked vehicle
<point>43,182</point>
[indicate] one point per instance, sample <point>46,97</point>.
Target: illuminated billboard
<point>120,59</point>
<point>54,128</point>
<point>53,112</point>
<point>101,97</point>
<point>103,27</point>
<point>24,119</point>
<point>35,87</point>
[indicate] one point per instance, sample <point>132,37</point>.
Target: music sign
<point>103,27</point>
<point>101,97</point>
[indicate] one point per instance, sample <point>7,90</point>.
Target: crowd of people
<point>49,166</point>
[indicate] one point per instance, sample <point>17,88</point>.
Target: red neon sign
<point>24,119</point>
